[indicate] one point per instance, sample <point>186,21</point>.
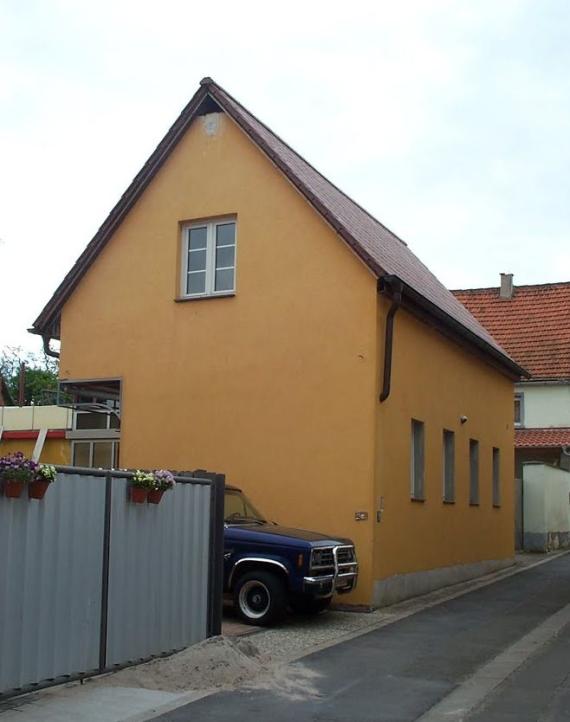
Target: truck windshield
<point>239,510</point>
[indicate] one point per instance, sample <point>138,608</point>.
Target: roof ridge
<point>515,287</point>
<point>208,81</point>
<point>383,252</point>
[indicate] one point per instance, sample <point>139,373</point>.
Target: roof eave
<point>52,310</point>
<point>428,311</point>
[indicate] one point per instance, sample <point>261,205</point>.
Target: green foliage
<point>143,479</point>
<point>40,385</point>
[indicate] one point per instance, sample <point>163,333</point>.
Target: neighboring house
<point>250,317</point>
<point>532,323</point>
<point>39,429</point>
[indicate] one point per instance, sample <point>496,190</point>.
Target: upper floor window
<point>208,258</point>
<point>519,409</point>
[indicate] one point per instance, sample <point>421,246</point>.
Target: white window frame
<point>519,396</point>
<point>448,443</point>
<point>210,225</point>
<point>496,476</point>
<point>92,442</point>
<point>474,456</point>
<point>417,460</point>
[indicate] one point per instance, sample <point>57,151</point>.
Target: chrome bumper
<point>342,581</point>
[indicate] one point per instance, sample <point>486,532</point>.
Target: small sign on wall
<point>360,516</point>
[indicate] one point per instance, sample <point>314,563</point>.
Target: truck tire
<point>309,605</point>
<point>260,598</point>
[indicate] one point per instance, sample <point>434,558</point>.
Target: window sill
<point>417,499</point>
<point>183,299</point>
<point>474,503</point>
<point>496,506</point>
<point>448,501</point>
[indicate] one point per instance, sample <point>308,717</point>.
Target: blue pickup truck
<point>269,568</point>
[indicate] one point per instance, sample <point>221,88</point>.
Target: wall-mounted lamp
<point>463,419</point>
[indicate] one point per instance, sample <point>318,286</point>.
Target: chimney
<point>506,290</point>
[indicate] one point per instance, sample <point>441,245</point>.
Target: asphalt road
<point>437,656</point>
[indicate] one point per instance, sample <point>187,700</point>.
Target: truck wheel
<point>260,598</point>
<point>310,605</point>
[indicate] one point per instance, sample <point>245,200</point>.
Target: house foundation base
<point>545,541</point>
<point>403,586</point>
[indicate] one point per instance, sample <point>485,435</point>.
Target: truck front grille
<point>345,555</point>
<point>322,558</point>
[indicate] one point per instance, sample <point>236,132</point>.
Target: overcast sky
<point>449,121</point>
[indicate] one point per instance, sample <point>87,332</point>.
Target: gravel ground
<point>301,635</point>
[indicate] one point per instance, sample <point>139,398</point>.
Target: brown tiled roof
<point>383,252</point>
<point>542,438</point>
<point>533,326</point>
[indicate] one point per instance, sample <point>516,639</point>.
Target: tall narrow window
<point>473,472</point>
<point>448,466</point>
<point>496,477</point>
<point>519,409</point>
<point>417,460</point>
<point>209,258</point>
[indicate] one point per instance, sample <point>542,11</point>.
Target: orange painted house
<point>248,317</point>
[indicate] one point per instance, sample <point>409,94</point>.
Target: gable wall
<point>275,386</point>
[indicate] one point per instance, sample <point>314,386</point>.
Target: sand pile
<point>217,662</point>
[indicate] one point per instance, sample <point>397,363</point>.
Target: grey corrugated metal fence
<point>90,581</point>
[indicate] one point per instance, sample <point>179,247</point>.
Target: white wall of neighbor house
<point>546,505</point>
<point>545,405</point>
<point>26,418</point>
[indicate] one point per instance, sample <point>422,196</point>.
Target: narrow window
<point>448,466</point>
<point>209,258</point>
<point>473,472</point>
<point>519,409</point>
<point>496,477</point>
<point>417,460</point>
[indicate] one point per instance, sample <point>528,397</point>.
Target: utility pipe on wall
<point>395,287</point>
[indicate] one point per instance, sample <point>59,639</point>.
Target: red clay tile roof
<point>542,438</point>
<point>533,326</point>
<point>383,252</point>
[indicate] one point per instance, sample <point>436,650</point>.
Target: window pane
<point>417,460</point>
<point>496,477</point>
<point>448,465</point>
<point>103,454</point>
<point>226,234</point>
<point>91,420</point>
<point>81,454</point>
<point>473,471</point>
<point>197,237</point>
<point>225,280</point>
<point>225,257</point>
<point>197,260</point>
<point>196,283</point>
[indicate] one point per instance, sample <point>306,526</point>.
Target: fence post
<point>105,574</point>
<point>216,571</point>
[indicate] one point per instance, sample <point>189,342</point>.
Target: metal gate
<point>90,581</point>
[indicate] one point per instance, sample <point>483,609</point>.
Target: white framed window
<point>99,454</point>
<point>417,460</point>
<point>473,472</point>
<point>496,477</point>
<point>448,466</point>
<point>519,409</point>
<point>208,258</point>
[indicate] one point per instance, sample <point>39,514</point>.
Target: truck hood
<point>283,533</point>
